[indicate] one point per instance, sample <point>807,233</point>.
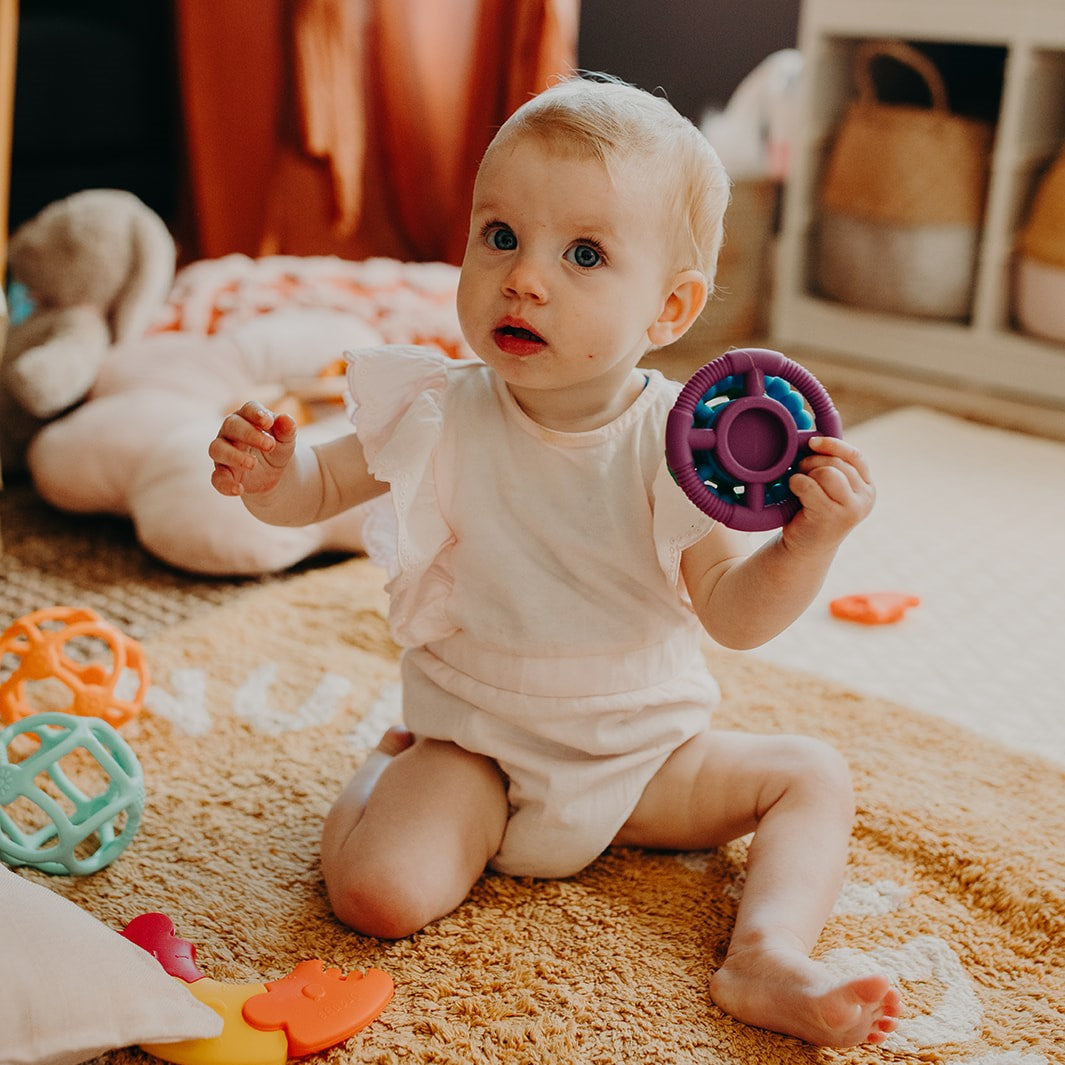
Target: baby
<point>551,585</point>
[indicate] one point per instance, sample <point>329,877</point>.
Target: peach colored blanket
<point>407,303</point>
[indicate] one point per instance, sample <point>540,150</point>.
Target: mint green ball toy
<point>72,832</point>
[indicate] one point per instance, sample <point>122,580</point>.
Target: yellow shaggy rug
<point>262,707</point>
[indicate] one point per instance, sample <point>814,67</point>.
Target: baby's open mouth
<point>520,333</point>
<point>514,337</point>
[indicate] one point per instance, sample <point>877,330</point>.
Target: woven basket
<point>1043,236</point>
<point>905,164</point>
<point>1039,281</point>
<point>903,197</point>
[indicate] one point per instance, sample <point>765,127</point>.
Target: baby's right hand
<point>251,450</point>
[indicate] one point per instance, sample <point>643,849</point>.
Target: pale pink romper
<point>535,588</point>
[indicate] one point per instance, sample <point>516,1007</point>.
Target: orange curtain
<point>353,127</point>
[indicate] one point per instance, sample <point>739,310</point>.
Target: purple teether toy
<point>738,431</point>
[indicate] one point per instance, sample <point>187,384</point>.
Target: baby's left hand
<point>836,492</point>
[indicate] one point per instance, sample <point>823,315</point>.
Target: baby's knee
<point>382,902</point>
<point>819,767</point>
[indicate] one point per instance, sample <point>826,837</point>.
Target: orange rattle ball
<point>68,659</point>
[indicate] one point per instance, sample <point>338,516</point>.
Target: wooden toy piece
<point>873,608</point>
<point>319,1007</point>
<point>39,644</point>
<point>154,932</point>
<point>239,1044</point>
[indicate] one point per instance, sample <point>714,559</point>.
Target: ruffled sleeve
<point>397,400</point>
<point>678,523</point>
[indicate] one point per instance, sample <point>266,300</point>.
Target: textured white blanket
<point>972,520</point>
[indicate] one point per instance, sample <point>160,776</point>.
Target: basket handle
<point>908,56</point>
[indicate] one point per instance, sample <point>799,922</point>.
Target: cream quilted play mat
<point>971,520</point>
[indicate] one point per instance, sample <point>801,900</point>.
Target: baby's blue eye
<point>501,238</point>
<point>585,256</point>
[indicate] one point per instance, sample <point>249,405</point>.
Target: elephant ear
<point>150,277</point>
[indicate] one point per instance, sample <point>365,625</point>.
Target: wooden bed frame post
<point>8,51</point>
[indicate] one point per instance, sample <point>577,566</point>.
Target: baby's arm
<point>282,482</point>
<point>745,599</point>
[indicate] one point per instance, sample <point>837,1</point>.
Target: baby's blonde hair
<point>607,119</point>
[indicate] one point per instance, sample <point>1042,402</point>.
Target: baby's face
<point>566,268</point>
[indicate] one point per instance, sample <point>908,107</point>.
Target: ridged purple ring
<point>754,438</point>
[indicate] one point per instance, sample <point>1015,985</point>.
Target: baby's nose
<point>525,280</point>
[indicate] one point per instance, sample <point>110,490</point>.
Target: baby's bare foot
<point>396,740</point>
<point>359,789</point>
<point>785,991</point>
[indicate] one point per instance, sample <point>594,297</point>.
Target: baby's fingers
<point>833,448</point>
<point>251,448</point>
<point>224,453</point>
<point>250,426</point>
<point>836,484</point>
<point>835,477</point>
<point>227,481</point>
<point>280,427</point>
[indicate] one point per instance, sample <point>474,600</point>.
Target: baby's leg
<point>795,795</point>
<point>410,834</point>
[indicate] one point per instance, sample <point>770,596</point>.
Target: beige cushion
<point>74,988</point>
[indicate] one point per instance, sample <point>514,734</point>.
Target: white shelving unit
<point>986,352</point>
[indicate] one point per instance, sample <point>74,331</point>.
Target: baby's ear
<point>680,309</point>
